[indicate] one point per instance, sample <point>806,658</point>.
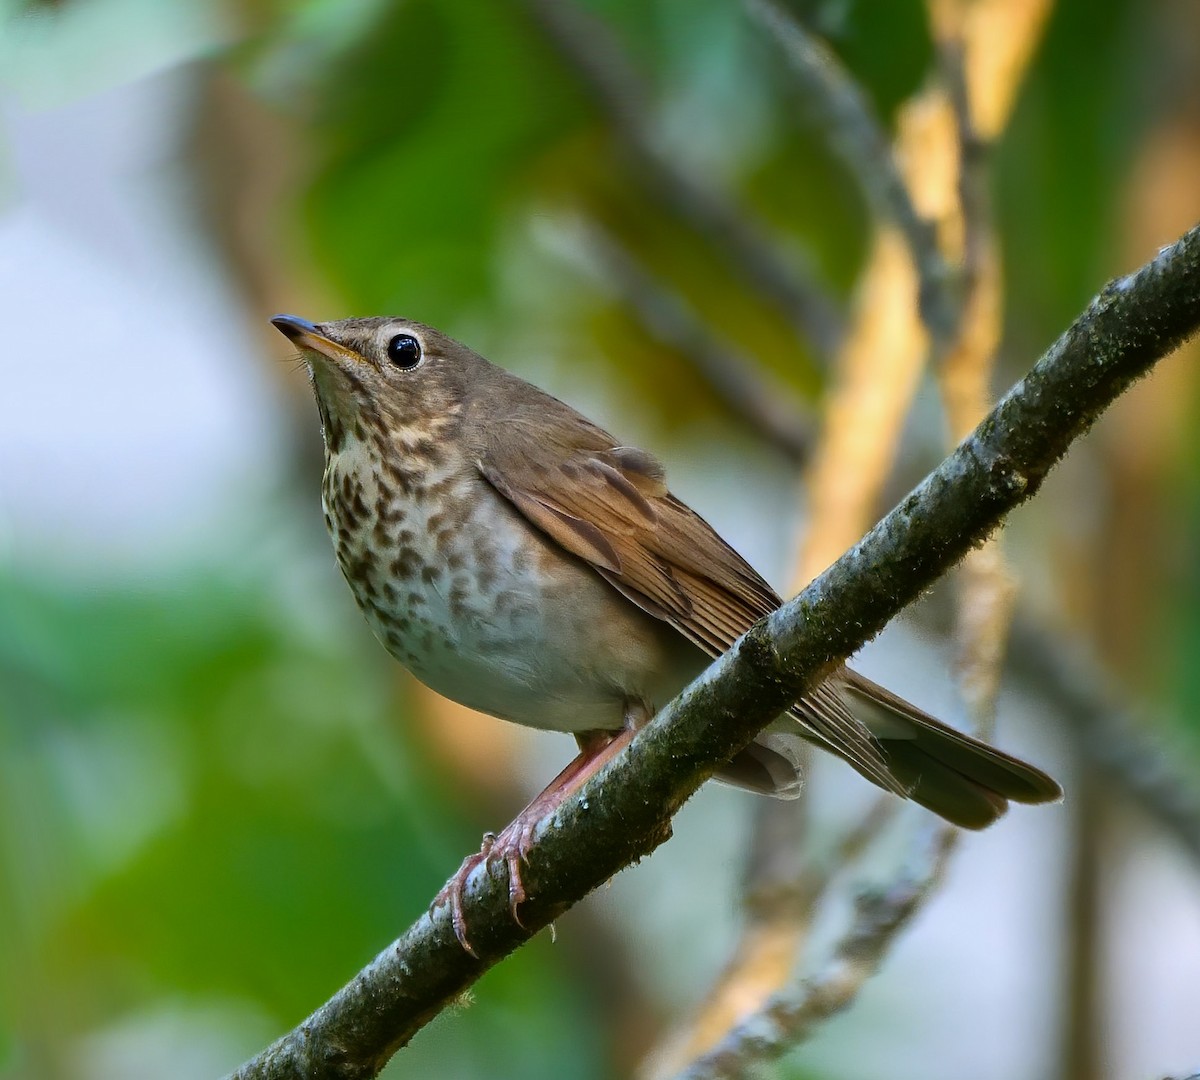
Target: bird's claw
<point>512,845</point>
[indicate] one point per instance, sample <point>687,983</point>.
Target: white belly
<point>520,631</point>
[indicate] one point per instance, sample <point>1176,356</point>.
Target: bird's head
<point>384,376</point>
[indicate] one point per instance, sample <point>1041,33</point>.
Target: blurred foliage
<point>885,45</point>
<point>428,133</point>
<point>208,794</point>
<point>429,159</point>
<point>446,130</point>
<point>193,780</point>
<point>1065,162</point>
<point>1179,634</point>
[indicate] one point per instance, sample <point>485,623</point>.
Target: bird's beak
<point>308,338</point>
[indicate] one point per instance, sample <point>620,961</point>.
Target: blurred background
<point>218,795</point>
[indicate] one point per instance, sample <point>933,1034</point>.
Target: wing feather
<point>609,505</point>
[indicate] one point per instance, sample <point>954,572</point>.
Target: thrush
<point>518,559</point>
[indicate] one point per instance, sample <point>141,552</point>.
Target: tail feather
<point>947,792</point>
<point>768,766</point>
<point>958,777</point>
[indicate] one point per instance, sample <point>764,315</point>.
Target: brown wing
<point>609,505</point>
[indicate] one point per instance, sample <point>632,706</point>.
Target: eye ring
<point>404,351</point>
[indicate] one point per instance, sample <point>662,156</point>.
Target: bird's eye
<point>404,351</point>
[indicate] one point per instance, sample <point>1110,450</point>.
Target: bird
<point>518,559</point>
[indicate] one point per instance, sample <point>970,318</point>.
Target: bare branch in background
<point>770,407</point>
<point>792,1016</point>
<point>598,59</point>
<point>983,48</point>
<point>875,377</point>
<point>986,589</point>
<point>947,169</point>
<point>778,891</point>
<point>835,100</point>
<point>999,38</point>
<point>878,372</point>
<point>625,810</point>
<point>984,586</point>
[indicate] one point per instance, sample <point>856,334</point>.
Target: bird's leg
<point>514,842</point>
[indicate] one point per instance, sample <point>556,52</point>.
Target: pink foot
<point>513,846</point>
<point>515,841</point>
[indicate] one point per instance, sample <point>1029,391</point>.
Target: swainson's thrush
<point>520,560</point>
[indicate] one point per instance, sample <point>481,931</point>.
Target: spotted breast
<point>479,607</point>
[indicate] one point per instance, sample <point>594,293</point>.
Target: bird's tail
<point>896,746</point>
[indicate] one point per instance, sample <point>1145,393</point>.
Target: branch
<point>854,133</point>
<point>600,63</point>
<point>876,375</point>
<point>769,406</point>
<point>985,590</point>
<point>878,371</point>
<point>790,1016</point>
<point>625,811</point>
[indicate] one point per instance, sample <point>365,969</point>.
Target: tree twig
<point>836,102</point>
<point>616,87</point>
<point>876,375</point>
<point>790,1016</point>
<point>985,590</point>
<point>624,811</point>
<point>765,403</point>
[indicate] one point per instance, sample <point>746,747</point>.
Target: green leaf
<point>431,129</point>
